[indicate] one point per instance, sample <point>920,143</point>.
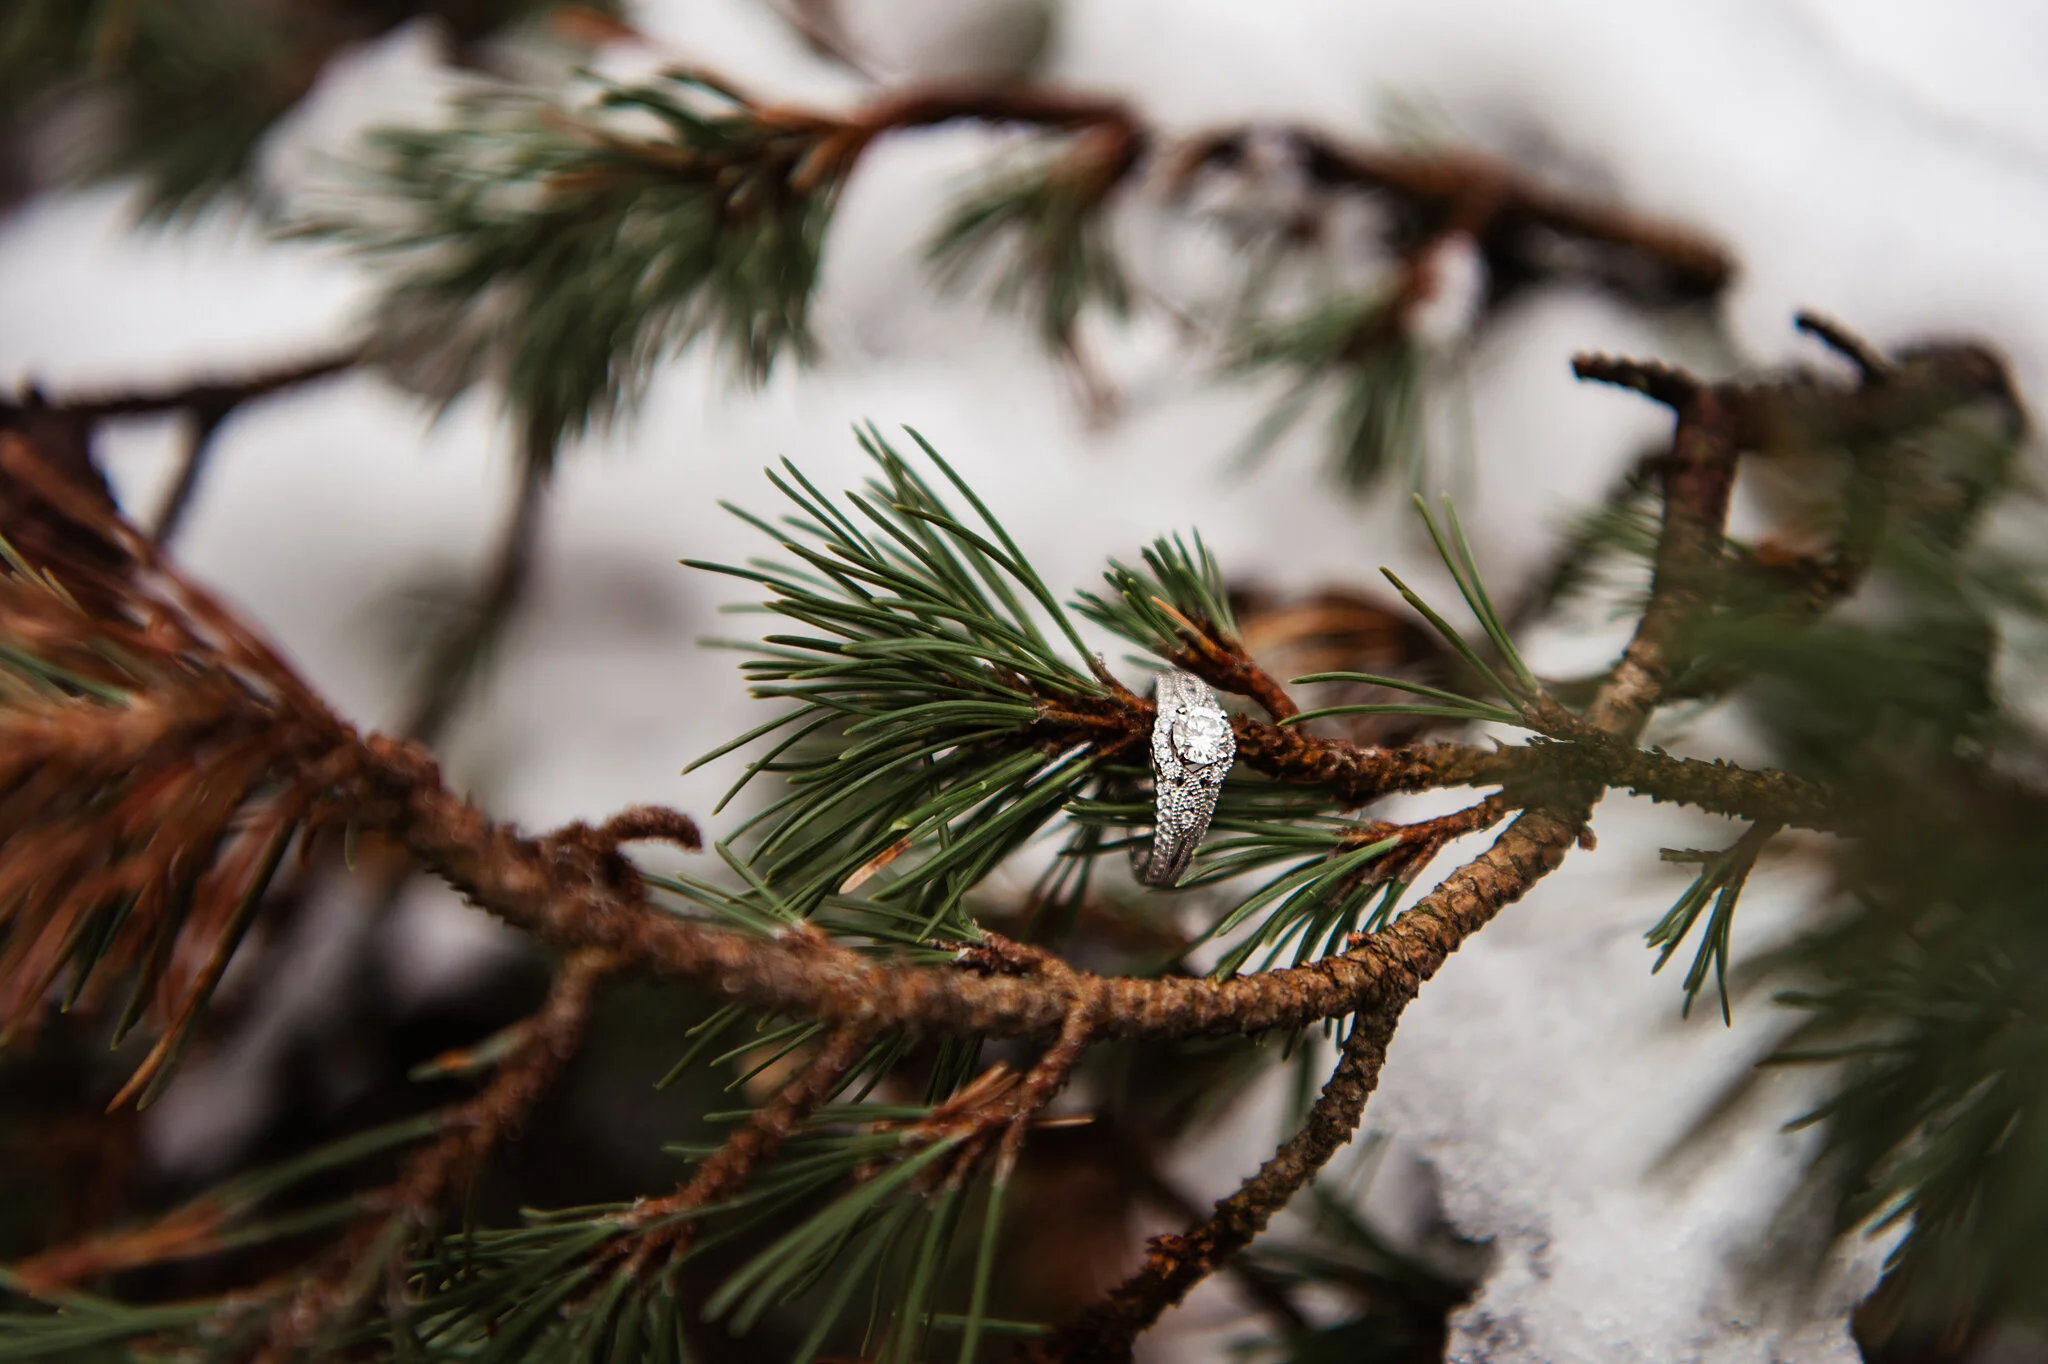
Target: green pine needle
<point>562,254</point>
<point>1179,585</point>
<point>1722,876</point>
<point>910,765</point>
<point>1355,352</point>
<point>1045,219</point>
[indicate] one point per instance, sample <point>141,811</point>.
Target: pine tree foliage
<point>563,255</point>
<point>913,757</point>
<point>186,90</point>
<point>881,1019</point>
<point>145,850</point>
<point>1047,216</point>
<point>560,251</point>
<point>1357,354</point>
<point>938,712</point>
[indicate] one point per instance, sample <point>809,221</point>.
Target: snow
<point>1886,162</point>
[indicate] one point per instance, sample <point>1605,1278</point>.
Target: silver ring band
<point>1192,749</point>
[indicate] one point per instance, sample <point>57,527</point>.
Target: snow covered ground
<point>1885,162</point>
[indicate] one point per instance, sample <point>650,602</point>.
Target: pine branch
<point>1049,216</point>
<point>1697,481</point>
<point>1176,1263</point>
<point>188,89</point>
<point>1134,1162</point>
<point>944,664</point>
<point>356,1268</point>
<point>574,892</point>
<point>654,1224</point>
<point>562,251</point>
<point>163,761</point>
<point>1506,210</point>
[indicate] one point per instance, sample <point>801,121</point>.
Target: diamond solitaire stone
<point>1200,737</point>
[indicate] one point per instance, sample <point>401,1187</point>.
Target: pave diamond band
<point>1192,748</point>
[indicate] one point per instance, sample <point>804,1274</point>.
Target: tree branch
<point>1443,188</point>
<point>569,897</point>
<point>571,889</point>
<point>726,1170</point>
<point>471,1130</point>
<point>454,659</point>
<point>1175,1264</point>
<point>218,393</point>
<point>1697,481</point>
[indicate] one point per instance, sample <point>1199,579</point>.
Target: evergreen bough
<point>897,1015</point>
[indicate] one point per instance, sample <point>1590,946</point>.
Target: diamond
<point>1199,737</point>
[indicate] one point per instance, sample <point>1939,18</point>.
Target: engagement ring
<point>1192,747</point>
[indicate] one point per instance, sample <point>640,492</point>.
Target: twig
<point>1519,210</point>
<point>1134,1162</point>
<point>205,424</point>
<point>1513,217</point>
<point>454,660</point>
<point>471,1131</point>
<point>1175,1264</point>
<point>1038,106</point>
<point>1047,1076</point>
<point>727,1169</point>
<point>1420,842</point>
<point>1698,476</point>
<point>1225,664</point>
<point>217,394</point>
<point>568,899</point>
<point>1872,366</point>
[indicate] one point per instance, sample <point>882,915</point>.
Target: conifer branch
<point>296,1309</point>
<point>942,709</point>
<point>1495,202</point>
<point>162,761</point>
<point>563,250</point>
<point>1174,1264</point>
<point>1697,481</point>
<point>653,1224</point>
<point>573,891</point>
<point>1698,478</point>
<point>357,1266</point>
